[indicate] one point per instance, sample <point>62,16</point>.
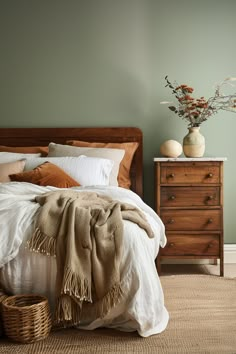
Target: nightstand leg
<point>221,267</point>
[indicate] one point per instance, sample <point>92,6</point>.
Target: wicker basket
<point>3,296</point>
<point>26,318</point>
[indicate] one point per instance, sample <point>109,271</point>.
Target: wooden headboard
<point>43,136</point>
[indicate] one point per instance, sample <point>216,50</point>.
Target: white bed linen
<point>22,271</point>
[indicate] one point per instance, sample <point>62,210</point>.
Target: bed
<point>103,162</point>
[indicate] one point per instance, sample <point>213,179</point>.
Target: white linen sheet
<point>142,309</point>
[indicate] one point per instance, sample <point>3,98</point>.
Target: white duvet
<point>22,271</point>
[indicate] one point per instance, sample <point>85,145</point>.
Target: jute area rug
<point>202,320</point>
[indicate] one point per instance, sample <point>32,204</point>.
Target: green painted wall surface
<point>103,63</point>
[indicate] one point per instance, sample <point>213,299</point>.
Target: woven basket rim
<point>43,300</point>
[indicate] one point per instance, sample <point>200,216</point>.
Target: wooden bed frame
<point>43,136</point>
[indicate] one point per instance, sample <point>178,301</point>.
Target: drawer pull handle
<point>171,175</point>
<point>210,245</point>
<point>210,221</point>
<point>171,244</point>
<point>171,221</point>
<point>210,197</point>
<point>172,197</point>
<point>210,175</point>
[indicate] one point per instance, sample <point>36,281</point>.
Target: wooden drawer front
<point>190,173</point>
<point>191,219</point>
<point>188,196</point>
<point>191,245</point>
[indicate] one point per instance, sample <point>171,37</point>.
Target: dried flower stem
<point>196,111</point>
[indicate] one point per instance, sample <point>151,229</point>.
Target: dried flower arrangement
<point>197,110</point>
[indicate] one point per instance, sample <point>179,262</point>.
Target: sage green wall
<point>103,63</point>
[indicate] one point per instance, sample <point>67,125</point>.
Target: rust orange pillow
<point>125,164</point>
<point>46,174</point>
<point>43,150</point>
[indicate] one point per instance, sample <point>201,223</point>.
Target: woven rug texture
<point>202,320</point>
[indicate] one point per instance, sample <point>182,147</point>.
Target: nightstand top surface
<point>189,159</point>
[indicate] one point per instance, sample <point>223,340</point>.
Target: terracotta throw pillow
<point>43,150</point>
<point>10,167</point>
<point>125,164</point>
<point>46,174</point>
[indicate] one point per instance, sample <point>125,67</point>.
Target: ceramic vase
<point>194,143</point>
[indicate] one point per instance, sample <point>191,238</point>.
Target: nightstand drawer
<point>188,196</point>
<point>189,173</point>
<point>187,220</point>
<point>192,245</point>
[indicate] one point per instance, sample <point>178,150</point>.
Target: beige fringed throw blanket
<point>84,231</point>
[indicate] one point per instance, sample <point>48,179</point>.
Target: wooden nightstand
<point>189,200</point>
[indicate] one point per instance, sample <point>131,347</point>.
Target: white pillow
<point>115,155</point>
<point>14,156</point>
<point>88,171</point>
